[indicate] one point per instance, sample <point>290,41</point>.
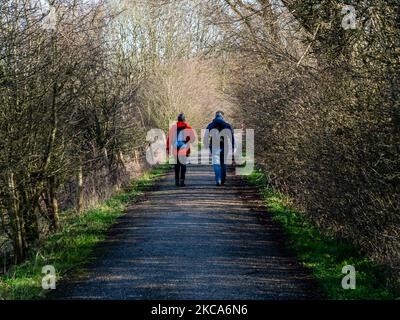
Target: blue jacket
<point>220,124</point>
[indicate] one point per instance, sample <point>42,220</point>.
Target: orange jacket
<point>178,132</point>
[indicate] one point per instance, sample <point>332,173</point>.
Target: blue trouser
<point>219,167</point>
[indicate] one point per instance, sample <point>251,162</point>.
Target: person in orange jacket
<point>180,136</point>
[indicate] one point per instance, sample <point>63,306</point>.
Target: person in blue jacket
<point>219,135</point>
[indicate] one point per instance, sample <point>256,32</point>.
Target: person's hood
<point>181,124</point>
<point>218,120</point>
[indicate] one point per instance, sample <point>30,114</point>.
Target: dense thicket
<point>324,101</point>
<point>80,84</point>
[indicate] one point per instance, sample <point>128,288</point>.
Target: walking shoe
<point>182,184</point>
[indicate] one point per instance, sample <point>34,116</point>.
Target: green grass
<point>324,255</point>
<point>70,249</point>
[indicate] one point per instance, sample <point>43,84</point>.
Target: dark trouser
<point>180,171</point>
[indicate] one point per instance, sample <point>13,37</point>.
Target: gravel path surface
<point>197,242</point>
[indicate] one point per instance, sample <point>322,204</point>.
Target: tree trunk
<point>55,219</point>
<point>16,221</point>
<point>79,192</point>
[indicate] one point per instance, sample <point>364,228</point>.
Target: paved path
<point>197,242</point>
